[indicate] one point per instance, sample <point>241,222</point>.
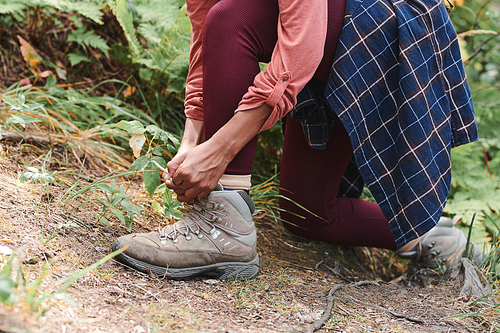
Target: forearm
<point>193,130</point>
<point>240,129</point>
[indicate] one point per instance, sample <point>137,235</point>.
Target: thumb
<point>174,164</point>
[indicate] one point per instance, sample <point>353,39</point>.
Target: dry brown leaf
<point>45,73</point>
<point>29,53</point>
<point>129,91</point>
<point>136,142</point>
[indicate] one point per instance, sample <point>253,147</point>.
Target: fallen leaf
<point>136,142</point>
<point>129,91</point>
<point>45,73</point>
<point>24,82</point>
<point>29,53</point>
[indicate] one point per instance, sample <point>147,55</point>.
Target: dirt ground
<point>287,296</point>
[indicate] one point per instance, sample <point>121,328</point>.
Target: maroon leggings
<point>237,36</point>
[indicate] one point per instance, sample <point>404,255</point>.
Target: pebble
<point>211,281</point>
<point>139,329</point>
<point>5,251</point>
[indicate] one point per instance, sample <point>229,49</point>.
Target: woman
<point>396,96</point>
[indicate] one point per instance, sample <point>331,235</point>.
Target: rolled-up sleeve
<point>302,29</point>
<point>197,11</point>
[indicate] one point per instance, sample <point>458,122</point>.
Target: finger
<point>171,184</point>
<point>175,163</point>
<point>183,198</point>
<point>179,191</point>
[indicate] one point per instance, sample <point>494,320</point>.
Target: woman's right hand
<point>193,131</point>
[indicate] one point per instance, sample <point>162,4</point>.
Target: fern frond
<point>149,32</point>
<point>126,20</point>
<point>163,13</point>
<point>75,59</point>
<point>9,8</point>
<point>89,9</point>
<point>16,9</point>
<point>88,38</point>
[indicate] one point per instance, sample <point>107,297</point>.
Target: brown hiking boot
<point>217,239</point>
<point>443,246</point>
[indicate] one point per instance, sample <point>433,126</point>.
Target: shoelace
<point>203,210</point>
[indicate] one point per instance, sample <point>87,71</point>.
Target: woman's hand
<point>195,172</point>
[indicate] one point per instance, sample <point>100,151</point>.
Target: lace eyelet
<point>188,237</point>
<point>163,239</point>
<point>175,240</point>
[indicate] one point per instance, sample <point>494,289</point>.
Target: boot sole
<point>221,271</point>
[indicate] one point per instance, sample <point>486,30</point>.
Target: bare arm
<point>193,130</point>
<point>198,170</point>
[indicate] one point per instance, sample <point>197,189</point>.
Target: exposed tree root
<point>331,297</point>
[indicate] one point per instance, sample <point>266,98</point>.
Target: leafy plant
<point>16,290</point>
<point>171,206</point>
<point>33,174</point>
<point>22,110</point>
<point>160,143</point>
<point>89,9</point>
<point>117,204</point>
<point>86,39</point>
<point>168,144</point>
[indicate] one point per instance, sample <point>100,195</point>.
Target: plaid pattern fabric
<point>399,87</point>
<point>313,111</point>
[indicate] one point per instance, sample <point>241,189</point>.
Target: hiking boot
<point>442,246</point>
<point>216,239</point>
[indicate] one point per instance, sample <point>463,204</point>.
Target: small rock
<point>5,251</point>
<point>31,261</point>
<point>138,329</point>
<point>211,281</point>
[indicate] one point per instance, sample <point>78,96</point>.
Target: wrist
<point>193,131</point>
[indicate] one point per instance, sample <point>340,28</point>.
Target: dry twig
<point>331,297</point>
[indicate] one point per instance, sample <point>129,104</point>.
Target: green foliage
<point>88,38</point>
<point>16,289</point>
<point>165,27</point>
<point>91,9</point>
<point>75,59</point>
<point>16,9</point>
<point>171,206</point>
<point>125,17</point>
<point>81,119</point>
<point>33,174</point>
<point>160,142</point>
<point>22,111</point>
<point>117,204</point>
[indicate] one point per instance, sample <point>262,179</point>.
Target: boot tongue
<point>219,187</point>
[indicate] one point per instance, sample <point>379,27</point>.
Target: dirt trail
<point>290,292</point>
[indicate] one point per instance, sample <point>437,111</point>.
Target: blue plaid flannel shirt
<point>399,87</point>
